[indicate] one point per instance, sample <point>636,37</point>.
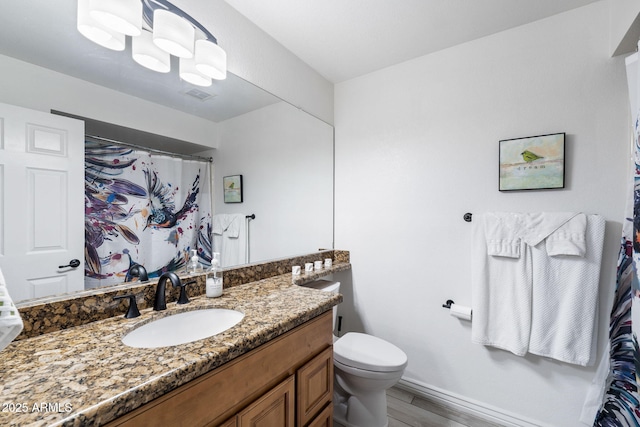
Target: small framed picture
<point>232,188</point>
<point>532,163</point>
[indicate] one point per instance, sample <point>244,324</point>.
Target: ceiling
<point>343,39</point>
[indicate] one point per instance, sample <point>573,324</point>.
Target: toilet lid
<point>368,352</point>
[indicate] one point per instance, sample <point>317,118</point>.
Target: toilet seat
<point>366,374</point>
<point>369,353</point>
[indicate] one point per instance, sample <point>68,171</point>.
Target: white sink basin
<point>183,328</point>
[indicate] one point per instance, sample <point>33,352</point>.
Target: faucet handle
<point>183,298</point>
<point>133,306</point>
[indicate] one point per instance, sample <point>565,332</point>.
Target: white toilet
<point>364,368</point>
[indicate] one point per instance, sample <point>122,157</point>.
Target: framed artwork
<point>532,163</point>
<point>232,188</point>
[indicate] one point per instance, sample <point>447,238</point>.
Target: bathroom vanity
<point>273,368</point>
<point>285,382</point>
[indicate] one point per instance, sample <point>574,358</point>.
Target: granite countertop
<point>85,376</point>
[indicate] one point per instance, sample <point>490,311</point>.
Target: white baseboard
<point>465,406</point>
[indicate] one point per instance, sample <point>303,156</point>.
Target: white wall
<point>417,147</point>
<point>285,157</point>
<point>38,88</point>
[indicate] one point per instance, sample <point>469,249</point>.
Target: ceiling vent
<point>199,94</point>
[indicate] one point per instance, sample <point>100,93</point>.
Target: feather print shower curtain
<point>142,208</point>
<point>621,403</point>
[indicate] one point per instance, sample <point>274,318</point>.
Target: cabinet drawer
<point>274,409</point>
<point>324,418</point>
<point>314,386</point>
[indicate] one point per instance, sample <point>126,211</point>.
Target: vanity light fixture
<point>145,52</point>
<point>123,16</point>
<point>211,60</point>
<point>173,34</point>
<point>158,29</point>
<point>189,73</point>
<point>96,32</point>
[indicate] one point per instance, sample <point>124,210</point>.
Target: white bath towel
<point>595,392</point>
<point>501,284</point>
<point>535,227</point>
<point>535,283</point>
<point>564,232</point>
<point>10,321</point>
<point>229,238</point>
<point>565,293</point>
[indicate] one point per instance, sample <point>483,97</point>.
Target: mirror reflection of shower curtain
<point>621,397</point>
<point>143,208</point>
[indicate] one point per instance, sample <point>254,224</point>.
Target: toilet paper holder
<point>461,312</point>
<point>448,303</point>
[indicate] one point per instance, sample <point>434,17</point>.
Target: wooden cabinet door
<point>315,386</point>
<point>274,409</point>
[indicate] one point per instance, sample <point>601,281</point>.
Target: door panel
<point>46,286</point>
<point>41,202</point>
<point>47,196</point>
<point>314,385</point>
<point>275,409</point>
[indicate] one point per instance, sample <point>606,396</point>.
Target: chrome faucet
<point>160,302</point>
<point>138,271</point>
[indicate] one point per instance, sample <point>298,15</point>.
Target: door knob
<point>74,263</point>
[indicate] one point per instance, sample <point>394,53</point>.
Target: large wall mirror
<point>285,155</point>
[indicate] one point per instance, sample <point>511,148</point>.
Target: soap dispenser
<point>214,277</point>
<point>194,266</point>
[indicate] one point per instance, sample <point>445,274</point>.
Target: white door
<point>41,202</point>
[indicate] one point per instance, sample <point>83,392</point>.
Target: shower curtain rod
<point>153,150</point>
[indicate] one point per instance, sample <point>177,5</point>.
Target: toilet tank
<point>326,286</point>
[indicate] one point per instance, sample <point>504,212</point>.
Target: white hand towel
<point>565,299</point>
<point>234,226</point>
<point>570,238</point>
<point>10,321</point>
<point>501,285</point>
<point>228,224</point>
<point>218,224</point>
<point>501,234</point>
<point>229,238</point>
